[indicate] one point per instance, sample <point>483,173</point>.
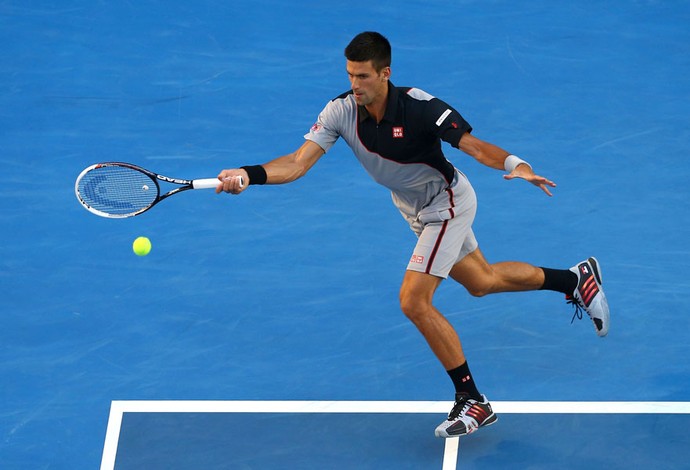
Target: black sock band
<point>257,174</point>
<point>559,280</point>
<point>463,381</point>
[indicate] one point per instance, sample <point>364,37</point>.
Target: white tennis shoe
<point>589,295</point>
<point>466,417</point>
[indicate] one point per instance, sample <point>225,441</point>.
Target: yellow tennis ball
<point>141,246</point>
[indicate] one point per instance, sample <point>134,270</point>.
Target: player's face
<point>368,85</point>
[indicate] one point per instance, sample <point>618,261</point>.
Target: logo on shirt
<point>398,133</point>
<point>316,127</point>
<point>443,117</point>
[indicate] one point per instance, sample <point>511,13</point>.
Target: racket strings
<point>118,190</point>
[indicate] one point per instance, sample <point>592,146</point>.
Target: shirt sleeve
<point>325,132</point>
<point>445,122</point>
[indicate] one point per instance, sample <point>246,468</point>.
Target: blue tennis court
<point>261,328</point>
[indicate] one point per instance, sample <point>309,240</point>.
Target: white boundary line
<point>119,407</point>
<point>450,454</point>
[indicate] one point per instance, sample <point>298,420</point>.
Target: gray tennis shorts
<point>444,230</point>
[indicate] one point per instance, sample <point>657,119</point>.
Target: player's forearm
<point>493,157</point>
<point>485,153</point>
<point>284,169</point>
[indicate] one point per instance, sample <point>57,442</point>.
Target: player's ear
<point>386,73</point>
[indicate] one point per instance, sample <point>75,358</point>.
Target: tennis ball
<point>141,246</point>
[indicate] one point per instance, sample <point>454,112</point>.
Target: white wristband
<point>512,161</point>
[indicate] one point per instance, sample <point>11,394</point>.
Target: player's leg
<point>582,284</point>
<point>471,409</point>
<point>416,294</point>
<point>481,278</point>
<point>445,235</point>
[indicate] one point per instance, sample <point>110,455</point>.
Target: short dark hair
<point>372,46</point>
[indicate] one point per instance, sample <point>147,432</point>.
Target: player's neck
<point>377,108</point>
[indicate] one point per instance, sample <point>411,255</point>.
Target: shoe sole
<point>484,424</point>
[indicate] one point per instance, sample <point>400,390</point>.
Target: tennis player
<point>396,134</point>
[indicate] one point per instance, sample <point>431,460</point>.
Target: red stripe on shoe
<point>588,290</point>
<point>478,413</point>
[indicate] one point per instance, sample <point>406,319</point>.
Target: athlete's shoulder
<point>339,112</point>
<point>343,104</point>
<point>416,93</point>
<point>343,96</point>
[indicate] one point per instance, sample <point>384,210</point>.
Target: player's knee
<point>414,308</point>
<point>478,282</point>
<point>480,289</point>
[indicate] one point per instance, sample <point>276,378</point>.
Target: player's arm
<point>290,167</point>
<point>495,157</point>
<point>281,170</point>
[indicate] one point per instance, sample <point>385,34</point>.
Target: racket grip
<point>206,183</point>
<point>210,183</point>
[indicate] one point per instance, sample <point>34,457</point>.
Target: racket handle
<point>206,183</point>
<point>210,183</point>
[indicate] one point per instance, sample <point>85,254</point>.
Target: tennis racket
<point>118,190</point>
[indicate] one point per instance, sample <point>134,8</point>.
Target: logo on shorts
<point>417,259</point>
<point>398,133</point>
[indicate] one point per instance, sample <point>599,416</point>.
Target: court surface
<point>263,331</point>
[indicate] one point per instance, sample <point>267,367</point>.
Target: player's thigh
<point>420,285</point>
<point>474,273</point>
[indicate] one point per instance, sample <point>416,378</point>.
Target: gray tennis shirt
<point>402,152</point>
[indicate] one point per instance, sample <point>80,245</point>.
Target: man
<point>396,134</point>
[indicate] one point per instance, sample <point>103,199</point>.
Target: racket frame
<point>184,185</point>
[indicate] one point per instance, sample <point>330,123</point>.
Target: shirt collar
<point>391,106</point>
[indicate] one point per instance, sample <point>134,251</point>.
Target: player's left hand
<point>525,172</point>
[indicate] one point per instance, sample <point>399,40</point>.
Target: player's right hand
<point>232,181</point>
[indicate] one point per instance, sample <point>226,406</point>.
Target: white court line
<point>450,453</point>
<point>119,407</point>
